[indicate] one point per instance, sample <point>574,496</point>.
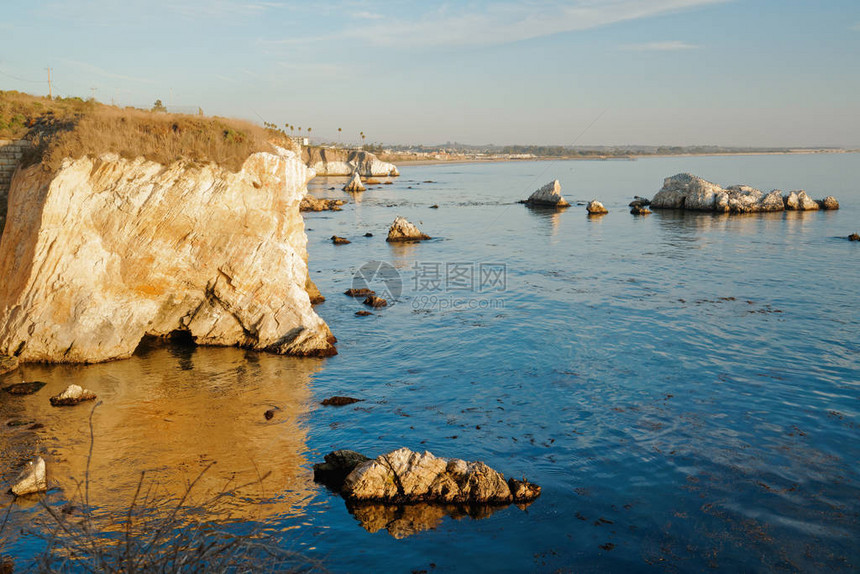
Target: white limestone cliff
<point>104,251</point>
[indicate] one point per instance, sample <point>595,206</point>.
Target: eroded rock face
<point>104,251</point>
<point>594,207</point>
<point>402,230</point>
<point>346,162</point>
<point>33,478</point>
<point>548,196</point>
<point>354,184</point>
<point>686,191</point>
<point>407,476</point>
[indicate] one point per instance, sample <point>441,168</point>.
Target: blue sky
<point>588,72</point>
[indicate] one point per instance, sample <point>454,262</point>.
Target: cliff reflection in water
<point>172,411</point>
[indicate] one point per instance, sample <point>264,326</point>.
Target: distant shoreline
<point>629,157</point>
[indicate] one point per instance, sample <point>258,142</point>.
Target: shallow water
<point>683,386</point>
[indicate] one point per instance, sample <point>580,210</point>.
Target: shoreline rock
<point>403,230</point>
<point>340,240</point>
<point>547,196</point>
<point>33,479</point>
<point>104,251</point>
<point>336,162</point>
<point>689,192</point>
<point>404,476</point>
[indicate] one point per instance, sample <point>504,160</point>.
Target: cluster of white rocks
<point>687,191</point>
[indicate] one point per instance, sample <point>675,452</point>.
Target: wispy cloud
<point>507,22</point>
<point>856,27</point>
<point>670,46</point>
<point>364,15</point>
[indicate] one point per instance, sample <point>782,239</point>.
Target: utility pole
<point>50,88</point>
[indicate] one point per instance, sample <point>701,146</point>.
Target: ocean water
<point>683,386</point>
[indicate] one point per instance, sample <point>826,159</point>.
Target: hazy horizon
<point>619,72</point>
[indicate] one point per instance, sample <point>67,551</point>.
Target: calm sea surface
<point>684,387</point>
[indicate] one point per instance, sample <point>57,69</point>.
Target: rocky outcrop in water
<point>402,230</point>
<point>686,191</point>
<point>33,479</point>
<point>346,162</point>
<point>104,251</point>
<point>547,196</point>
<point>594,207</point>
<point>354,185</point>
<point>406,476</point>
<point>73,395</point>
<point>854,237</point>
<point>311,203</point>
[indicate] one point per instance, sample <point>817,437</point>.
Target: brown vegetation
<point>72,127</point>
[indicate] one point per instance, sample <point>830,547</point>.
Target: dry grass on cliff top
<point>72,127</point>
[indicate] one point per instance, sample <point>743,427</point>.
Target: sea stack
<point>402,230</point>
<point>547,196</point>
<point>354,184</point>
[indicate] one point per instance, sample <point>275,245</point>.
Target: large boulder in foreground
<point>102,252</point>
<point>402,230</point>
<point>547,196</point>
<point>404,476</point>
<point>341,162</point>
<point>687,191</point>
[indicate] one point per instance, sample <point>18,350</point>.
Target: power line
<point>20,79</point>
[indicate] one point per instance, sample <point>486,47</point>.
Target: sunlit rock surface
<point>346,162</point>
<point>105,251</point>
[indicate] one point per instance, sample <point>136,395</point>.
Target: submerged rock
<point>363,313</point>
<point>362,292</point>
<point>354,184</point>
<point>73,395</point>
<point>32,479</point>
<point>406,476</point>
<point>402,230</point>
<point>376,302</point>
<point>639,210</point>
<point>311,203</point>
<point>547,196</point>
<point>28,388</point>
<point>594,207</point>
<point>340,240</point>
<point>338,401</point>
<point>8,364</point>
